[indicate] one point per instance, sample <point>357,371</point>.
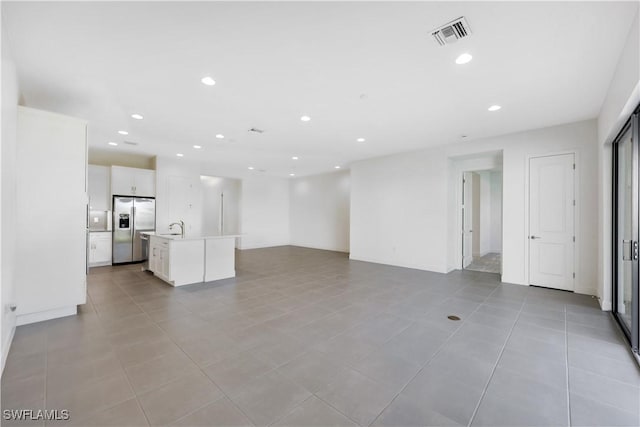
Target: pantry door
<point>551,221</point>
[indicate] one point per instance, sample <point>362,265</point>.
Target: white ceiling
<point>546,63</point>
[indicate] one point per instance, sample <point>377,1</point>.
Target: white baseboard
<point>242,247</point>
<point>6,346</point>
<point>100,264</point>
<point>25,319</point>
<point>605,305</point>
<point>300,245</point>
<point>396,264</point>
<point>512,281</point>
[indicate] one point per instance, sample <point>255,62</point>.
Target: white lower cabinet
<point>99,248</point>
<point>177,262</point>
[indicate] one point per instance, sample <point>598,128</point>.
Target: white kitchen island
<point>187,260</point>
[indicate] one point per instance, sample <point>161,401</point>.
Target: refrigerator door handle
<point>132,224</point>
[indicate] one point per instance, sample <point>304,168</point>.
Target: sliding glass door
<point>625,230</point>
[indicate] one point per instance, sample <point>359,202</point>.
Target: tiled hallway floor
<point>305,337</point>
<point>489,263</point>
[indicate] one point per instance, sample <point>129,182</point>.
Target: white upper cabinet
<point>99,188</point>
<point>133,182</point>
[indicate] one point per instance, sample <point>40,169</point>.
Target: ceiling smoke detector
<point>452,32</point>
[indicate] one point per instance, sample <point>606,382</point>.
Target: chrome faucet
<point>181,224</point>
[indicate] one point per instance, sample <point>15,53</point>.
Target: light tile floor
<point>489,263</point>
<point>305,337</point>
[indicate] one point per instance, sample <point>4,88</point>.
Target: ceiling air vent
<point>256,130</point>
<point>131,143</point>
<point>452,32</point>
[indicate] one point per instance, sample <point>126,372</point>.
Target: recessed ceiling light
<point>337,167</point>
<point>250,168</point>
<point>180,155</point>
<point>305,118</point>
<point>220,136</point>
<point>123,132</point>
<point>113,143</point>
<point>294,158</point>
<point>292,174</point>
<point>137,116</point>
<point>494,108</point>
<point>197,147</point>
<point>208,81</point>
<point>463,59</point>
<point>360,139</point>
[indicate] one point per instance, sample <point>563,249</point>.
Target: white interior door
<point>551,221</point>
<point>467,219</point>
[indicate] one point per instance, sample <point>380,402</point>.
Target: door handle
<point>629,250</point>
<point>535,237</point>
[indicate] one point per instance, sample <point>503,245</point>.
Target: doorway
<point>625,230</point>
<point>482,221</point>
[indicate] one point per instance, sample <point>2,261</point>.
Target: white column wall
<point>496,212</point>
<point>8,217</point>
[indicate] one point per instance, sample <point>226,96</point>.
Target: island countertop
<point>179,237</point>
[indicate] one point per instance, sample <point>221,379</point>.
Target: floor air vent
<point>452,32</point>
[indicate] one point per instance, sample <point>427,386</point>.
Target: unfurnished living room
<point>320,213</point>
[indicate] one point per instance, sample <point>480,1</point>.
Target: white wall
<point>516,148</point>
<point>485,212</point>
<point>263,205</point>
<point>476,210</point>
<point>8,197</point>
<point>319,211</point>
<point>398,210</point>
<point>622,97</point>
<point>402,205</point>
<point>264,212</point>
<point>212,188</point>
<point>178,195</point>
<point>495,243</point>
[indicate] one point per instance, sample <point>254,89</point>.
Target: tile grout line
<point>314,394</point>
<point>200,369</point>
<point>87,416</point>
<point>566,365</point>
<point>429,361</point>
<point>123,368</point>
<point>274,369</point>
<point>495,366</point>
<point>433,356</point>
<point>168,382</point>
<point>46,372</point>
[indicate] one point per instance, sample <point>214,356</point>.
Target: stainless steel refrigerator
<point>131,216</point>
